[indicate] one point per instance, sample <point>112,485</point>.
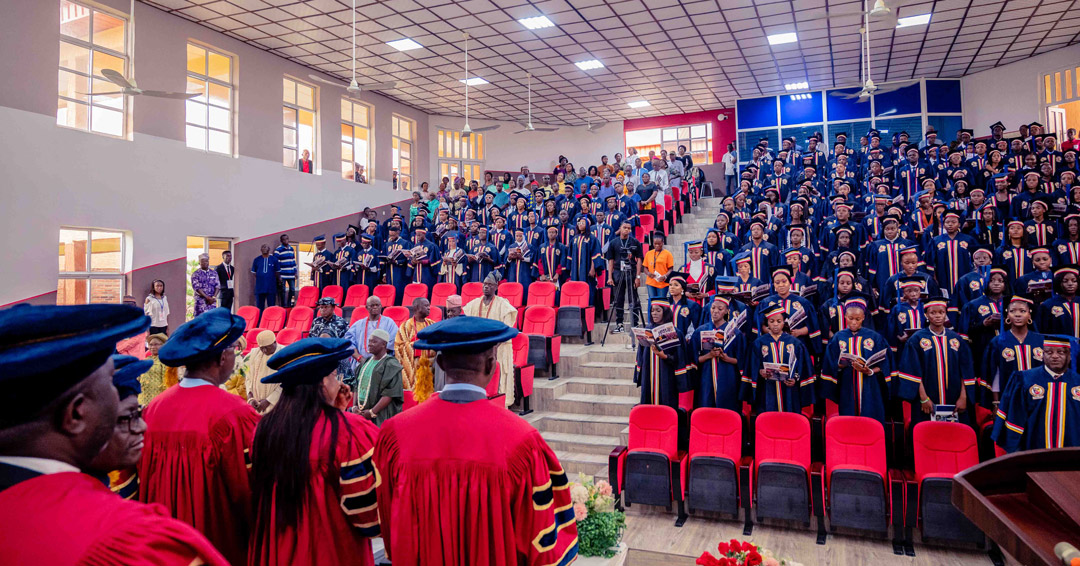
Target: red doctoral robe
<point>471,484</point>
<point>340,516</point>
<point>70,518</point>
<point>195,463</point>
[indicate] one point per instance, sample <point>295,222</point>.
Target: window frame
<point>125,107</point>
<point>688,141</point>
<point>207,80</point>
<point>295,106</point>
<point>90,276</point>
<point>370,139</point>
<point>452,151</point>
<point>395,143</point>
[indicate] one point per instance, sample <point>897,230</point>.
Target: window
<point>299,121</point>
<point>91,268</point>
<point>91,41</point>
<point>696,137</point>
<point>355,139</point>
<point>196,246</point>
<point>402,129</point>
<point>461,157</point>
<point>209,121</point>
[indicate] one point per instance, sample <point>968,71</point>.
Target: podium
<point>1026,502</point>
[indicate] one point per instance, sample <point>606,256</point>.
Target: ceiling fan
<point>528,127</point>
<point>592,128</point>
<point>869,87</point>
<point>883,11</point>
<point>127,85</point>
<point>467,131</point>
<point>353,87</point>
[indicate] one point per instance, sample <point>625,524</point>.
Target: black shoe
<point>618,329</point>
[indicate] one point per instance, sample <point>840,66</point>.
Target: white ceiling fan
<point>127,85</point>
<point>593,127</point>
<point>528,126</point>
<point>467,131</point>
<point>883,11</point>
<point>869,87</point>
<point>353,87</point>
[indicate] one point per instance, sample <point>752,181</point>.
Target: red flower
<point>722,548</point>
<point>735,545</point>
<point>707,559</point>
<point>748,547</point>
<point>753,558</point>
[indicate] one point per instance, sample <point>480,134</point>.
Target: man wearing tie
<point>225,273</point>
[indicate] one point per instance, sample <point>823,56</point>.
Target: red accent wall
<point>723,132</point>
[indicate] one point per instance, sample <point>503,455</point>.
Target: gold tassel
<point>425,380</point>
<point>171,377</point>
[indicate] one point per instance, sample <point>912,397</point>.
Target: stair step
<point>589,464</point>
<point>568,443</point>
<point>594,404</point>
<point>605,370</point>
<point>577,423</point>
<point>601,386</point>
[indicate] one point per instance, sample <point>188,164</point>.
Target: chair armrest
<point>678,477</point>
<point>554,346</point>
<point>897,486</point>
<point>911,499</point>
<point>746,481</point>
<point>817,489</point>
<point>615,461</point>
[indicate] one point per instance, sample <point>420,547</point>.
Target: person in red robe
<point>465,481</point>
<point>195,459</point>
<point>58,409</point>
<point>312,478</point>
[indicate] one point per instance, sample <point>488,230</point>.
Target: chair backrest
<point>250,315</point>
<point>412,292</point>
<point>655,427</point>
<point>542,293</point>
<point>520,343</point>
<point>716,432</point>
<point>782,436</point>
<point>648,223</point>
<point>858,441</point>
<point>357,296</point>
<point>307,296</point>
<point>512,292</point>
<point>288,336</point>
<point>249,337</point>
<point>574,294</point>
<point>335,292</point>
<point>397,314</point>
<point>300,318</point>
<point>493,385</point>
<point>357,314</point>
<point>337,311</point>
<point>440,292</point>
<point>943,448</point>
<point>539,320</point>
<point>470,291</point>
<point>386,294</point>
<point>435,315</point>
<point>273,318</point>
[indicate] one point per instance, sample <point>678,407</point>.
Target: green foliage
<point>600,532</point>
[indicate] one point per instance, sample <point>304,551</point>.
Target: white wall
<point>505,151</point>
<point>1011,93</point>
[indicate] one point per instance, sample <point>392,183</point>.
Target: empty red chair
<point>544,345</point>
<point>470,291</point>
<point>713,478</point>
<point>542,293</point>
<point>436,315</point>
<point>493,389</point>
<point>942,450</point>
<point>512,292</point>
<point>288,336</point>
<point>575,317</point>
<point>356,296</point>
<point>335,292</point>
<point>273,319</point>
<point>439,293</point>
<point>782,467</point>
<point>357,314</point>
<point>648,225</point>
<point>300,318</point>
<point>386,294</point>
<point>249,337</point>
<point>337,312</point>
<point>413,291</point>
<point>648,470</point>
<point>398,314</point>
<point>250,315</point>
<point>307,296</point>
<point>523,372</point>
<point>605,293</point>
<point>857,479</point>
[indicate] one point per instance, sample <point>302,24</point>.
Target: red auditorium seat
<point>249,337</point>
<point>398,314</point>
<point>357,296</point>
<point>357,314</point>
<point>273,319</point>
<point>470,291</point>
<point>542,293</point>
<point>439,293</point>
<point>713,478</point>
<point>942,450</point>
<point>515,294</point>
<point>858,485</point>
<point>544,345</point>
<point>413,291</point>
<point>575,317</point>
<point>782,467</point>
<point>523,372</point>
<point>386,294</point>
<point>605,294</point>
<point>300,318</point>
<point>307,296</point>
<point>661,219</point>
<point>648,469</point>
<point>250,315</point>
<point>288,336</point>
<point>337,312</point>
<point>492,388</point>
<point>436,315</point>
<point>335,292</point>
<point>648,226</point>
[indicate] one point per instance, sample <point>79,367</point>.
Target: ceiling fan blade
<point>317,78</point>
<point>834,16</point>
<point>545,129</point>
<point>173,95</point>
<point>116,78</point>
<point>596,126</point>
<point>487,128</point>
<point>101,93</point>
<point>521,132</point>
<point>379,86</point>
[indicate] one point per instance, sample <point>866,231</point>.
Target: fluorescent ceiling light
<point>797,86</point>
<point>538,22</point>
<point>475,81</point>
<point>920,20</point>
<point>782,38</point>
<point>404,44</point>
<point>803,96</point>
<point>589,65</point>
<point>638,104</point>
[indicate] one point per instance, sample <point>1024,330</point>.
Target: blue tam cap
<point>202,338</point>
<point>307,361</point>
<point>464,334</point>
<point>126,377</point>
<point>319,238</point>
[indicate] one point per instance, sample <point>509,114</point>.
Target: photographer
<point>624,264</point>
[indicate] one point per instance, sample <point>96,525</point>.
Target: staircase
<point>585,412</point>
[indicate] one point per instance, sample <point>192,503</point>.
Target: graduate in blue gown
<point>1032,285</point>
<point>552,258</point>
<point>424,264</point>
<point>367,263</point>
<point>483,256</point>
<point>858,389</point>
<point>397,263</point>
<point>585,257</point>
<point>801,314</point>
<point>1017,348</point>
<point>720,380</point>
<point>519,262</point>
<point>344,256</point>
<point>777,346</point>
<point>935,368</point>
<point>454,265</point>
<point>324,274</point>
<point>1041,406</point>
<point>662,374</point>
<point>980,320</point>
<point>686,313</point>
<point>1061,313</point>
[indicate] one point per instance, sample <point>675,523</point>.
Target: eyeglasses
<point>128,421</point>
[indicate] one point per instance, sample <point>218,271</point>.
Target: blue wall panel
<point>846,108</point>
<point>943,96</point>
<point>805,111</point>
<point>898,102</point>
<point>756,113</point>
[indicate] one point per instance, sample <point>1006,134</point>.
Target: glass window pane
<point>748,140</point>
<point>643,138</point>
<point>405,149</point>
<point>220,67</point>
<point>290,137</point>
<point>360,116</point>
<point>106,121</point>
<point>946,126</point>
<point>305,96</point>
<point>289,115</point>
<point>347,152</point>
<point>670,134</point>
<point>73,251</point>
<point>72,114</point>
<point>480,146</point>
<point>74,57</point>
<point>347,171</point>
<point>697,131</point>
<point>684,133</point>
<point>220,142</point>
<point>346,110</point>
<point>111,100</point>
<point>891,126</point>
<point>220,119</point>
<point>106,61</point>
<point>71,85</point>
<point>1046,85</point>
<point>306,132</point>
<point>74,20</point>
<point>105,252</point>
<point>442,144</point>
<point>105,291</point>
<point>346,133</point>
<point>196,59</point>
<point>697,146</point>
<point>109,31</point>
<point>289,158</point>
<point>290,91</point>
<point>215,248</point>
<point>196,113</point>
<point>196,137</point>
<point>220,95</point>
<point>199,86</point>
<point>71,291</point>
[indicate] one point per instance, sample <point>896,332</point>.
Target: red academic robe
<point>73,519</point>
<point>340,516</point>
<point>195,463</point>
<point>471,484</point>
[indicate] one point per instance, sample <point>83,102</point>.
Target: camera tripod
<point>624,284</point>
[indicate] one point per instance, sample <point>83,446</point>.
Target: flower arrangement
<point>741,553</point>
<point>600,526</point>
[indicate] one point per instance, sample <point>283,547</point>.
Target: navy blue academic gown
<point>397,267</point>
<point>856,394</point>
<point>662,380</point>
<point>520,270</point>
<point>1005,356</point>
<point>367,267</point>
<point>719,384</point>
<point>772,395</point>
<point>1039,411</point>
<point>942,365</point>
<point>424,270</point>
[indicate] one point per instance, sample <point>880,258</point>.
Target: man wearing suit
<point>226,273</point>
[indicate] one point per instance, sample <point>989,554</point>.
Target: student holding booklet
<point>857,369</point>
<point>716,347</point>
<point>661,370</point>
<point>779,371</point>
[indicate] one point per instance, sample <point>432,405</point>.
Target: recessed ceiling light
<point>920,20</point>
<point>589,65</point>
<point>475,81</point>
<point>803,96</point>
<point>404,44</point>
<point>782,38</point>
<point>797,86</point>
<point>539,22</point>
<point>638,104</point>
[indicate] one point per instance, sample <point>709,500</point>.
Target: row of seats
<point>699,464</point>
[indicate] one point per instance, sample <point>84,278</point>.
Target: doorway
<point>196,246</point>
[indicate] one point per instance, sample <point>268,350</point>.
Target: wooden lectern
<point>1025,502</point>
